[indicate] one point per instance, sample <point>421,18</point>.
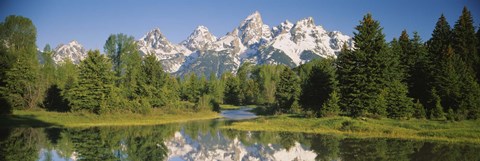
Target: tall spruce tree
<point>465,42</point>
<point>18,65</point>
<point>367,71</point>
<point>287,91</point>
<point>95,86</point>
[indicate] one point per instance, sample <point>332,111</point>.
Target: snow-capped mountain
<point>73,51</point>
<point>252,41</point>
<point>171,55</point>
<point>200,39</point>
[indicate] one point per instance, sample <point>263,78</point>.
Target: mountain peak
<point>306,22</point>
<point>254,15</point>
<point>201,28</point>
<point>74,43</point>
<point>200,39</point>
<point>252,29</point>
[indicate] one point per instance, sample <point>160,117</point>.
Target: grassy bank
<point>464,131</point>
<point>56,119</point>
<point>233,107</point>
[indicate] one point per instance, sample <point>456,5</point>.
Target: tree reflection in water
<point>205,140</point>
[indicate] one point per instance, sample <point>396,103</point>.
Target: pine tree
<point>331,106</point>
<point>366,71</point>
<point>95,85</point>
<point>399,105</point>
<point>18,65</point>
<point>287,91</point>
<point>319,85</point>
<point>465,42</point>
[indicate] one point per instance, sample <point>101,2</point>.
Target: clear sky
<point>91,21</point>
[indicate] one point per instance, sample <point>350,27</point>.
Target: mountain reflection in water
<point>205,140</point>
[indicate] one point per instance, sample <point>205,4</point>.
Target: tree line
<point>404,78</point>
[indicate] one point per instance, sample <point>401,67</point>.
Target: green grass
<point>463,131</point>
<point>57,119</point>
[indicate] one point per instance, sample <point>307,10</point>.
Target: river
<point>205,140</point>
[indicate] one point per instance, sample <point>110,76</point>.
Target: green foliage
<point>95,85</point>
<point>419,110</point>
<point>331,106</point>
<point>232,89</point>
<point>319,84</point>
<point>398,104</point>
<point>215,88</point>
<point>437,111</point>
<point>266,77</point>
<point>155,85</point>
<point>464,41</point>
<point>366,71</point>
<point>287,91</point>
<point>192,88</point>
<point>18,65</point>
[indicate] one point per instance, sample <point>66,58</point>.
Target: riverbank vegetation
<point>466,131</point>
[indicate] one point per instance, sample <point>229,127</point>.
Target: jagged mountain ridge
<point>252,41</point>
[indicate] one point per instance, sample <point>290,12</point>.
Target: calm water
<point>205,140</point>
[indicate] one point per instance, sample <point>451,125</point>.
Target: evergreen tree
<point>18,65</point>
<point>331,106</point>
<point>95,85</point>
<point>152,80</point>
<point>399,105</point>
<point>452,77</point>
<point>440,40</point>
<point>319,85</point>
<point>368,70</point>
<point>465,42</point>
<point>407,56</point>
<point>232,89</point>
<point>419,110</point>
<point>287,91</point>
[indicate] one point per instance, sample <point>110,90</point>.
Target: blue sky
<point>91,21</point>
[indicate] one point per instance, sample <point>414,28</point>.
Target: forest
<point>405,78</point>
